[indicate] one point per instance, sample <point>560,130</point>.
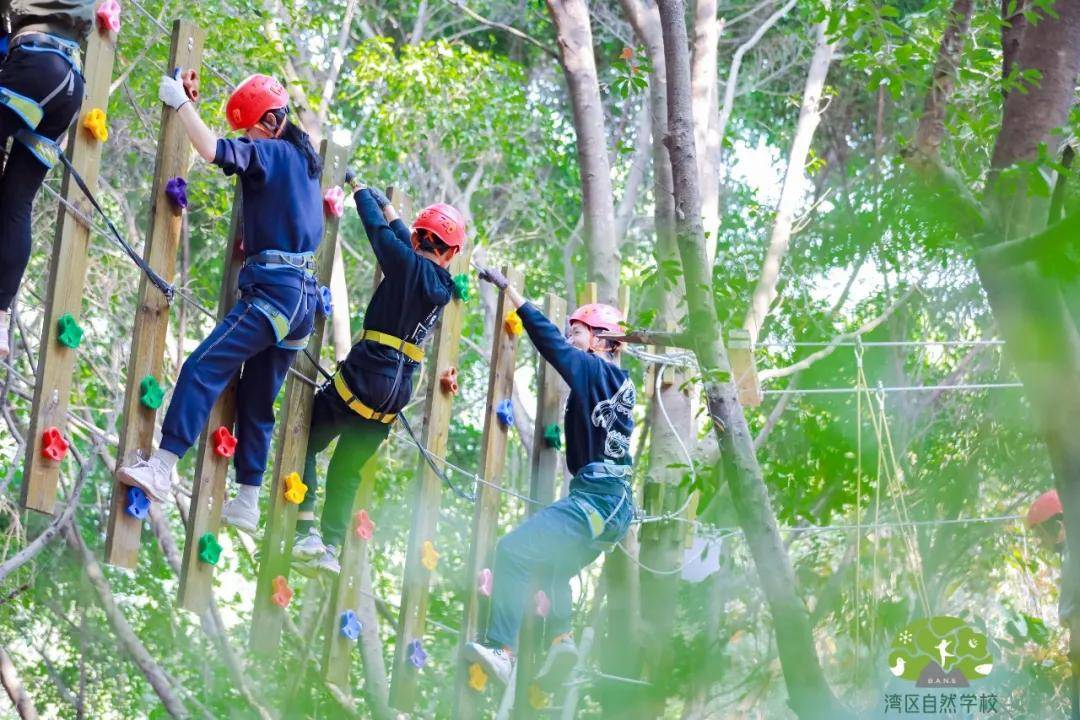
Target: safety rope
<point>161,26</point>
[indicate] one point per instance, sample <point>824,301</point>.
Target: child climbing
<point>41,89</point>
<point>555,544</point>
<point>375,381</point>
<point>282,203</point>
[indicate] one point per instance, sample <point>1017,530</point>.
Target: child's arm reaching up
<point>203,139</point>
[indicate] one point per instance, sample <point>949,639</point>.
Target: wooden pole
<point>294,422</point>
<point>427,497</point>
<point>208,486</point>
<point>542,483</point>
<point>67,280</point>
<point>152,315</point>
<point>486,515</point>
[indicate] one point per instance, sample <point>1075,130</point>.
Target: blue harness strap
<point>45,150</point>
<point>279,321</point>
<point>28,109</point>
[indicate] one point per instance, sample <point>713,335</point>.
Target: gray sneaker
<point>560,661</point>
<point>497,663</point>
<point>241,515</point>
<point>328,562</point>
<point>308,545</point>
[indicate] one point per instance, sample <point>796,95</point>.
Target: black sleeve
<point>394,256</point>
<point>240,157</point>
<point>567,360</point>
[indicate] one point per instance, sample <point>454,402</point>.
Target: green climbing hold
<point>150,393</point>
<point>553,436</point>
<point>68,331</point>
<point>461,287</point>
<point>209,549</point>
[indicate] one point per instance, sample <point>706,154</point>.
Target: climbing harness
<point>411,351</point>
<point>281,322</point>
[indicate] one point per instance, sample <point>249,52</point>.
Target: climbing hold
<point>326,301</point>
<point>538,699</point>
<point>429,556</point>
<point>477,677</point>
<point>150,393</point>
<point>553,436</point>
<point>53,444</point>
<point>461,287</point>
<point>209,549</point>
<point>282,592</point>
<point>190,78</point>
<point>176,191</point>
<point>417,656</point>
<point>448,381</point>
<point>108,16</point>
<point>224,442</point>
<point>350,626</point>
<point>513,324</point>
<point>365,528</point>
<point>138,505</point>
<point>505,412</point>
<point>94,122</point>
<point>68,332</point>
<point>334,200</point>
<point>543,604</point>
<point>484,582</point>
<point>295,489</point>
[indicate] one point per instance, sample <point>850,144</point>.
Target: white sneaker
<point>5,343</point>
<point>152,476</point>
<point>561,659</point>
<point>498,664</point>
<point>309,545</point>
<point>241,515</point>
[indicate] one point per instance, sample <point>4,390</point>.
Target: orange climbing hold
<point>429,556</point>
<point>513,324</point>
<point>477,677</point>
<point>365,528</point>
<point>295,489</point>
<point>448,381</point>
<point>224,442</point>
<point>95,124</point>
<point>282,592</point>
<point>53,444</point>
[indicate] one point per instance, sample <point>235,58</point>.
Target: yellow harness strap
<point>413,352</point>
<point>358,407</point>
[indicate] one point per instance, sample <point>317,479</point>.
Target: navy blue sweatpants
<point>244,341</point>
<point>553,546</point>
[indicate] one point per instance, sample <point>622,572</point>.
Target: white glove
<point>171,91</point>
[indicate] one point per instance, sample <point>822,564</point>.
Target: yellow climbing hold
<point>429,556</point>
<point>94,122</point>
<point>477,677</point>
<point>295,489</point>
<point>513,324</point>
<point>538,698</point>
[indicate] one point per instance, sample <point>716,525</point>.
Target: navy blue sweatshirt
<point>407,304</point>
<point>599,412</point>
<point>282,205</point>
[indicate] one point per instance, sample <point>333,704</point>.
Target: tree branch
<point>9,676</point>
<point>505,28</point>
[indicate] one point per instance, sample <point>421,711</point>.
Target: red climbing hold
<point>282,592</point>
<point>365,528</point>
<point>53,444</point>
<point>224,442</point>
<point>448,380</point>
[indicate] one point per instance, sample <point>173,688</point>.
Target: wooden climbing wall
<point>144,371</point>
<point>427,497</point>
<point>486,514</point>
<point>293,424</point>
<point>208,485</point>
<point>67,280</point>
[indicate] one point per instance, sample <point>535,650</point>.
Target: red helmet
<point>445,222</point>
<point>253,98</point>
<point>599,316</point>
<point>1045,507</point>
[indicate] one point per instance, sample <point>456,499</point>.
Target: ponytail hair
<point>296,135</point>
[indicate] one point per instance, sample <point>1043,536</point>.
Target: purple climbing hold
<point>505,412</point>
<point>417,656</point>
<point>350,626</point>
<point>176,191</point>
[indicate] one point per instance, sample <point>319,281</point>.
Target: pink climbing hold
<point>543,605</point>
<point>365,528</point>
<point>334,199</point>
<point>108,16</point>
<point>485,582</point>
<point>282,592</point>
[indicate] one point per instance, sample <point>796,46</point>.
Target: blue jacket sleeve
<point>567,360</point>
<point>394,254</point>
<point>240,157</point>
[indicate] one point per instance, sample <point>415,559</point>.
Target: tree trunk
<point>810,696</point>
<point>574,33</point>
<point>706,105</point>
<point>9,676</point>
<point>932,123</point>
<point>780,238</point>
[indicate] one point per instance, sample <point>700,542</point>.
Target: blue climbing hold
<point>505,412</point>
<point>326,300</point>
<point>138,505</point>
<point>417,656</point>
<point>350,626</point>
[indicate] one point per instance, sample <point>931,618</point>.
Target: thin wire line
<point>228,82</point>
<point>903,388</point>
<point>881,343</point>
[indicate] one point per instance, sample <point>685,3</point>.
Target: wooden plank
<point>588,294</point>
<point>545,477</point>
<point>152,314</point>
<point>427,497</point>
<point>743,368</point>
<point>488,499</point>
<point>67,281</point>
<point>208,486</point>
<point>293,425</point>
